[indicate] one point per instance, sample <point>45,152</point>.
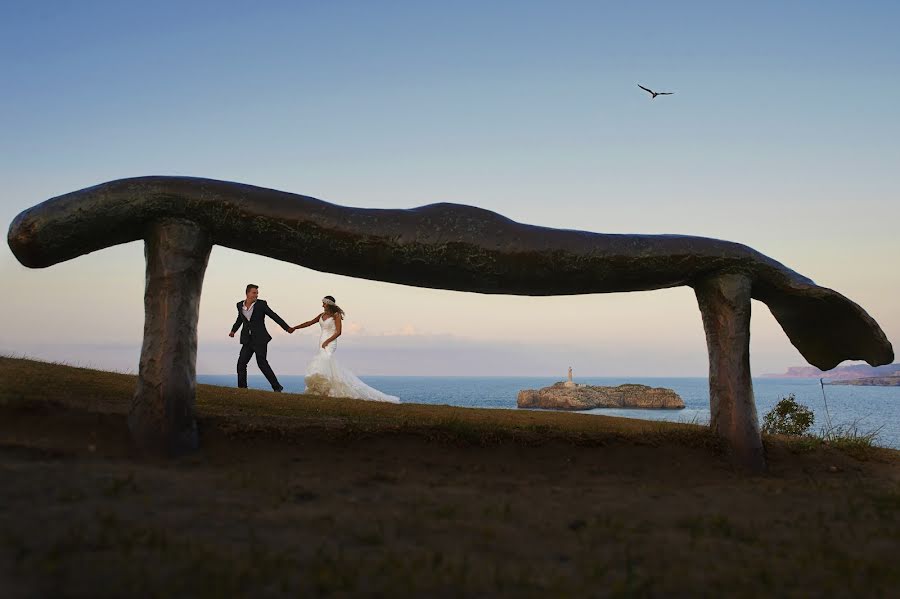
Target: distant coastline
<point>873,381</point>
<point>841,373</point>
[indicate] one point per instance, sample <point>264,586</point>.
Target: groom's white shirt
<point>248,312</point>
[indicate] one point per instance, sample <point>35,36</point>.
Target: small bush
<point>788,418</point>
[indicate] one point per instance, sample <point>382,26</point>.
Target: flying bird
<point>655,93</point>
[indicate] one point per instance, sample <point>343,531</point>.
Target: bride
<point>324,376</point>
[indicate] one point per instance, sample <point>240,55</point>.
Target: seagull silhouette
<point>655,93</point>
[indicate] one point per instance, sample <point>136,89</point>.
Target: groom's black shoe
<point>278,389</point>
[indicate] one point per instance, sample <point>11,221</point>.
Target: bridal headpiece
<point>325,300</point>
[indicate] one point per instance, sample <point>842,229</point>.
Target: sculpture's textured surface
<point>448,246</point>
<point>725,308</point>
<point>161,418</point>
<point>445,246</point>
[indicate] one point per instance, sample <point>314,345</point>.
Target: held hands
<point>291,330</point>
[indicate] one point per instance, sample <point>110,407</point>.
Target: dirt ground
<point>297,496</point>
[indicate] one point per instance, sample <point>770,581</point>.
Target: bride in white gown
<point>324,376</point>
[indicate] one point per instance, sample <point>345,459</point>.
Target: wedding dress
<point>324,376</point>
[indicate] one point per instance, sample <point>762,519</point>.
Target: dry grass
<point>302,496</point>
<point>249,412</point>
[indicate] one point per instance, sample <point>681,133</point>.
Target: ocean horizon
<point>867,408</point>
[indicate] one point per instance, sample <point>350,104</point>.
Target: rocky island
<point>874,381</point>
<point>569,396</point>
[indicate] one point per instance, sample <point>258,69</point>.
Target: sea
<point>868,409</point>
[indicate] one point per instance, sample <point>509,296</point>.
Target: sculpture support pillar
<point>161,418</point>
<point>725,307</point>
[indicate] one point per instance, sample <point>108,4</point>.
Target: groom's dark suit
<point>254,339</point>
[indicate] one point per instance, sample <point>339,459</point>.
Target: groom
<point>254,338</point>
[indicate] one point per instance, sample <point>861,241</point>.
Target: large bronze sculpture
<point>444,246</point>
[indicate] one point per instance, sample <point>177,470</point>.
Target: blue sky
<point>782,134</point>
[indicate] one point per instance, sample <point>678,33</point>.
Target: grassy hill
<point>302,496</point>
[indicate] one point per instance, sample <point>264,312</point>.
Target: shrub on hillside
<point>788,418</point>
